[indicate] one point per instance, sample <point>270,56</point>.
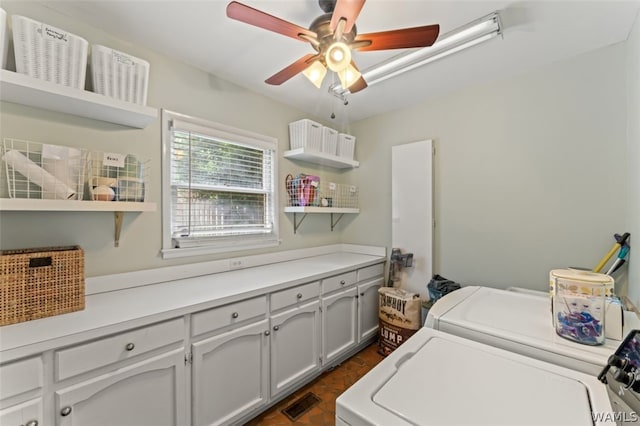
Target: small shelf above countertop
<point>22,89</point>
<point>340,210</point>
<point>23,204</point>
<point>310,156</point>
<point>118,208</point>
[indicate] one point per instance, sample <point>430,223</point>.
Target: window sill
<point>174,253</point>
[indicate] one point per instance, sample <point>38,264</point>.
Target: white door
<point>339,323</point>
<point>412,211</point>
<point>295,345</point>
<point>150,393</point>
<point>230,374</point>
<point>28,414</point>
<point>368,309</point>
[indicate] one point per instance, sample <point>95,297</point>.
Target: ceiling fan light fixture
<point>338,56</point>
<point>348,76</point>
<point>315,73</point>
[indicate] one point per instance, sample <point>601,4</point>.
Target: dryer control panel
<point>622,373</point>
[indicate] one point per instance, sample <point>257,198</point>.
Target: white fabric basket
<point>305,134</point>
<point>119,75</point>
<point>48,53</point>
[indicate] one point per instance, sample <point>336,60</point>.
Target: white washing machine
<point>435,378</point>
<point>517,321</point>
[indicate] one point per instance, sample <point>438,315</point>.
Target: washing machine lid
<point>487,314</point>
<point>439,379</point>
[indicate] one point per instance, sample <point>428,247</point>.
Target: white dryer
<point>436,378</point>
<point>517,321</point>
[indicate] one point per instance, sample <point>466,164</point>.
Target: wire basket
<point>311,191</point>
<point>117,177</point>
<point>44,171</point>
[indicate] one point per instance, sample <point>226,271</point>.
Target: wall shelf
<point>117,207</point>
<point>25,90</point>
<point>310,156</point>
<point>305,210</point>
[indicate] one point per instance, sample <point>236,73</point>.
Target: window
<point>218,186</point>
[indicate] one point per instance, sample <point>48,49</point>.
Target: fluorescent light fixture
<point>459,39</point>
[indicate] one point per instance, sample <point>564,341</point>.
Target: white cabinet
<point>295,346</point>
<point>339,323</point>
<point>230,374</point>
<point>28,413</point>
<point>149,393</point>
<point>368,308</point>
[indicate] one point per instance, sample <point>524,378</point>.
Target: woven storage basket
<point>41,282</point>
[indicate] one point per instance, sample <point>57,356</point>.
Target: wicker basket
<point>42,282</point>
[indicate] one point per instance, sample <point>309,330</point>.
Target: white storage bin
<point>305,134</point>
<point>4,38</point>
<point>49,53</point>
<point>346,146</point>
<point>119,75</point>
<point>329,141</point>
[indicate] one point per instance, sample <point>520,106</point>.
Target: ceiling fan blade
<point>347,10</point>
<point>399,39</point>
<point>359,85</point>
<point>249,15</point>
<point>293,69</point>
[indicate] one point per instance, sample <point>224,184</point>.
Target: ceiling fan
<point>333,36</point>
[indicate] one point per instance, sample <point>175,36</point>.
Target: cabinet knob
<point>361,294</point>
<point>299,295</point>
<point>130,346</point>
<point>342,282</point>
<point>31,423</point>
<point>276,328</point>
<point>65,411</point>
<point>356,296</point>
<point>234,315</point>
<point>266,333</point>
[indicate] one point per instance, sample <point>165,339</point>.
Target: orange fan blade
<point>399,39</point>
<point>293,69</point>
<point>359,84</point>
<point>347,10</point>
<point>249,15</point>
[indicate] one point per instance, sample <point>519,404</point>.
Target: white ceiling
<point>199,33</point>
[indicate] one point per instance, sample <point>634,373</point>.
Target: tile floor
<point>328,387</point>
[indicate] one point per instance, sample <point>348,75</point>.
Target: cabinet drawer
<point>291,296</point>
<point>339,281</point>
<point>20,376</point>
<point>371,271</point>
<point>99,353</point>
<point>234,313</point>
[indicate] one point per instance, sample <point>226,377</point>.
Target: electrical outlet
<point>236,264</point>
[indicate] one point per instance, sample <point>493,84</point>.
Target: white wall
<point>633,160</point>
<point>174,86</point>
<point>529,172</point>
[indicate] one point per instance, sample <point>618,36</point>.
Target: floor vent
<point>300,406</point>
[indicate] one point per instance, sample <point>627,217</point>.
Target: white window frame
<point>213,244</point>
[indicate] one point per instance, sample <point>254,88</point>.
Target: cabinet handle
<point>266,333</point>
<point>65,411</point>
<point>31,423</point>
<point>342,282</point>
<point>276,328</point>
<point>299,295</point>
<point>234,315</point>
<point>130,346</point>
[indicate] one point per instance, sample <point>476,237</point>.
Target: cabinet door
<point>295,345</point>
<point>368,309</point>
<point>149,393</point>
<point>230,374</point>
<point>339,323</point>
<point>26,414</point>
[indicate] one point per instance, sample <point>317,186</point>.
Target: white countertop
<point>133,307</point>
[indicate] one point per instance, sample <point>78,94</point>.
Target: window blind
<point>220,188</point>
